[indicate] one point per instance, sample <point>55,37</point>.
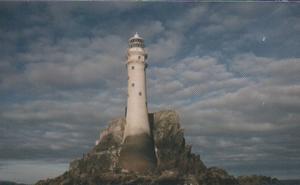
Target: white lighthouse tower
<point>137,153</point>
<point>137,112</point>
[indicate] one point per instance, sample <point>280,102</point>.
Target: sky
<point>231,71</point>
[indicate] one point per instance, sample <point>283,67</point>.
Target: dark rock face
<point>175,164</point>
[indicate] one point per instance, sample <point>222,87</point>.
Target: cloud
<point>165,48</point>
<point>150,29</point>
<point>69,64</point>
<point>281,71</point>
<point>191,17</point>
<point>194,77</point>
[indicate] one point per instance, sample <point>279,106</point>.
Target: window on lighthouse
<point>132,67</point>
<point>140,93</point>
<point>132,84</point>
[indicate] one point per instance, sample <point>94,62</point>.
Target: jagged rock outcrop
<point>175,162</point>
<point>171,150</point>
<point>258,179</point>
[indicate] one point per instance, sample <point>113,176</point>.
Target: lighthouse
<point>137,152</point>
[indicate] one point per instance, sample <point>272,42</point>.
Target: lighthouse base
<point>138,154</point>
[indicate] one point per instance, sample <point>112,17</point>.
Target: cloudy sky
<point>231,70</point>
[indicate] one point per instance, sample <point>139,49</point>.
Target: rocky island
<point>176,164</point>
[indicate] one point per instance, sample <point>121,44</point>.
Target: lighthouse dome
<point>136,41</point>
